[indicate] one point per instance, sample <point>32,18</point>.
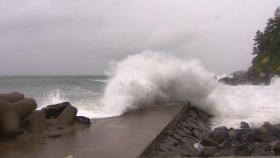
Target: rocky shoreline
<point>19,118</point>
<point>192,136</point>
<point>189,136</point>
<point>247,78</point>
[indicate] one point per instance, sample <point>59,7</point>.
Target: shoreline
<point>160,131</point>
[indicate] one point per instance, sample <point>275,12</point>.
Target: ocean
<point>84,92</point>
<point>148,79</point>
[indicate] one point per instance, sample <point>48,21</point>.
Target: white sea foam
<point>53,97</point>
<point>98,80</point>
<point>151,77</point>
<point>253,104</point>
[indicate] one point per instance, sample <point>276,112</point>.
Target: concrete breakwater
<point>125,136</point>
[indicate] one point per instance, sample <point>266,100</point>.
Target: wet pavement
<point>126,136</point>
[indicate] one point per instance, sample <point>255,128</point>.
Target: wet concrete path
<point>121,137</point>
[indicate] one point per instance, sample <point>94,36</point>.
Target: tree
<point>259,43</point>
<point>267,46</point>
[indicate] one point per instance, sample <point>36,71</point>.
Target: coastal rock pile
<point>182,138</point>
<point>247,78</point>
<point>246,141</point>
<point>18,115</point>
<point>192,136</point>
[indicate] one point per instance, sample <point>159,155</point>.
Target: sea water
<point>148,79</point>
<point>145,79</point>
<point>84,92</point>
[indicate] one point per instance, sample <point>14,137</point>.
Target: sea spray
<point>252,104</point>
<point>150,78</point>
<point>53,97</point>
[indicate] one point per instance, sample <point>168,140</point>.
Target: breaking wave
<point>150,78</point>
<point>53,97</point>
<point>98,80</point>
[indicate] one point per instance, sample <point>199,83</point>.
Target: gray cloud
<point>71,37</point>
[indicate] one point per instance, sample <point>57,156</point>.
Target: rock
<point>187,150</point>
<point>52,111</point>
<point>170,141</point>
<point>205,128</point>
<point>242,150</point>
<point>232,133</point>
<point>244,125</point>
<point>225,151</point>
<point>276,147</point>
<point>180,132</point>
<point>83,120</point>
<point>190,123</point>
<point>246,135</point>
<point>203,115</point>
<point>55,134</point>
<point>176,136</point>
<point>207,152</point>
<point>189,139</point>
<point>261,149</point>
<point>271,129</point>
<point>59,131</point>
<point>4,106</point>
<point>196,133</point>
<point>67,116</point>
<point>165,147</point>
<point>168,154</point>
<point>219,134</point>
<point>192,114</point>
<point>12,97</point>
<point>186,130</point>
<point>24,107</point>
<point>10,122</point>
<point>209,142</point>
<point>262,135</point>
<point>51,122</point>
<point>37,121</point>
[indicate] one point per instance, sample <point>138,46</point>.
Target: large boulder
<point>67,116</point>
<point>207,152</point>
<point>52,111</point>
<point>4,106</point>
<point>12,97</point>
<point>219,134</point>
<point>262,149</point>
<point>275,145</point>
<point>208,142</point>
<point>246,135</point>
<point>10,122</point>
<point>37,121</point>
<point>244,125</point>
<point>24,107</point>
<point>242,150</point>
<point>270,129</point>
<point>52,122</point>
<point>83,120</point>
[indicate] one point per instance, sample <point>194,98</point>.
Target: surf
<point>150,78</point>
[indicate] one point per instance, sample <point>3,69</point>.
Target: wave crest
<point>151,77</point>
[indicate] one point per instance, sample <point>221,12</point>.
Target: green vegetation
<point>267,48</point>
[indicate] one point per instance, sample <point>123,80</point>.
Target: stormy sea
<point>148,79</point>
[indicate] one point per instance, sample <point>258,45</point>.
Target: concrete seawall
<point>126,136</point>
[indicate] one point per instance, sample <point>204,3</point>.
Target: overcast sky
<point>82,37</point>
